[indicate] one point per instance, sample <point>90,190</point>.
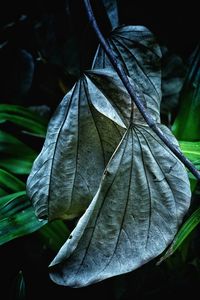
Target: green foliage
<point>192,152</point>
<point>186,128</point>
<point>54,234</point>
<point>17,217</point>
<point>19,287</point>
<point>189,225</point>
<point>9,182</point>
<point>187,123</point>
<point>15,156</point>
<point>23,117</point>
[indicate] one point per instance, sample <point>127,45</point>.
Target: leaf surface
<point>187,123</point>
<point>23,117</point>
<point>189,225</point>
<point>16,157</point>
<point>192,151</point>
<point>17,217</point>
<point>9,182</point>
<point>112,12</point>
<point>135,214</point>
<point>80,140</point>
<point>135,47</point>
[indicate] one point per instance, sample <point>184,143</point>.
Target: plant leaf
<point>136,48</point>
<point>20,224</point>
<point>187,123</point>
<point>117,105</point>
<point>182,234</point>
<point>79,143</point>
<point>10,182</point>
<point>17,217</point>
<point>135,214</point>
<point>9,198</point>
<point>68,145</point>
<point>173,75</point>
<point>23,117</point>
<point>54,234</point>
<point>192,151</point>
<point>17,157</point>
<point>19,287</point>
<point>2,192</point>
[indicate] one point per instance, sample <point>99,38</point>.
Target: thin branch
<point>138,102</point>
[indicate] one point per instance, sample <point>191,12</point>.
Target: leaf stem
<point>135,97</point>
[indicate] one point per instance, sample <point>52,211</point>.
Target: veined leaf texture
<point>139,190</point>
<point>78,145</point>
<point>133,217</point>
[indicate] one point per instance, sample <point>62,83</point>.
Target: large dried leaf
<point>80,140</point>
<point>135,214</point>
<point>112,99</point>
<point>137,50</point>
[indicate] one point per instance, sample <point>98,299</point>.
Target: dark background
<point>37,67</point>
<point>43,29</point>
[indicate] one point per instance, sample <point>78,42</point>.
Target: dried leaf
<point>78,145</point>
<point>137,50</point>
<point>135,214</point>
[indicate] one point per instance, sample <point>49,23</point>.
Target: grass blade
<point>16,157</point>
<point>10,183</point>
<point>182,234</point>
<point>24,118</point>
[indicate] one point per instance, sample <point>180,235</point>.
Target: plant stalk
<point>122,75</point>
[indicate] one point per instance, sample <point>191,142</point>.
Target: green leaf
<point>19,225</point>
<point>16,157</point>
<point>2,192</point>
<point>137,50</point>
<point>54,234</point>
<point>18,287</point>
<point>17,217</point>
<point>10,182</point>
<point>80,140</point>
<point>187,123</point>
<point>133,217</point>
<point>17,165</point>
<point>23,117</point>
<point>185,230</point>
<point>192,151</point>
<point>7,199</point>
